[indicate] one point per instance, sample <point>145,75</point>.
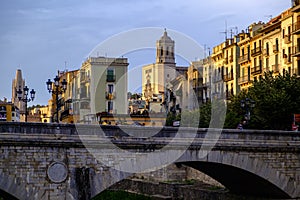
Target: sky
<point>41,37</point>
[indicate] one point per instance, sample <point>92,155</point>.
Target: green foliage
<point>117,195</point>
<point>277,99</point>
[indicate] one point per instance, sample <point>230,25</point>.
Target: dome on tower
<point>165,37</point>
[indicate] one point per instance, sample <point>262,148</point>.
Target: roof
<point>165,37</point>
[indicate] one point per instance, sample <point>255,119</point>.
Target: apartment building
<point>9,112</point>
<point>218,71</point>
<point>195,84</point>
<point>295,36</point>
<point>207,70</point>
<point>231,67</point>
<point>102,85</point>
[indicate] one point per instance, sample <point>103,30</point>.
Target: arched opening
<point>5,195</point>
<point>239,181</point>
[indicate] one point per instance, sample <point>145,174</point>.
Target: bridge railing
<point>123,131</point>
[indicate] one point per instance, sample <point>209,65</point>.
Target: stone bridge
<point>51,161</point>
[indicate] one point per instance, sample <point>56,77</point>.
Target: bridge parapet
<point>27,150</point>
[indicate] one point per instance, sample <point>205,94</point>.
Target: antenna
<point>65,65</point>
<point>225,32</point>
<point>232,32</point>
<point>269,16</point>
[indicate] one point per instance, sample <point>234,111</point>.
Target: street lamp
<point>25,97</point>
<point>59,88</point>
<point>247,104</point>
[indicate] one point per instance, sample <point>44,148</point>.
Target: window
<point>110,88</point>
<point>110,75</point>
<point>282,33</point>
<point>110,106</point>
<point>110,72</point>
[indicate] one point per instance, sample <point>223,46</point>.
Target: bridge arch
<point>11,189</point>
<point>241,174</point>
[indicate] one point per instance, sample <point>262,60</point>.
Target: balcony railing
<point>287,60</point>
<point>243,79</point>
<point>244,58</point>
<point>216,79</point>
<point>231,58</point>
<point>228,77</point>
<point>225,60</point>
<point>287,39</point>
<point>84,78</point>
<point>256,51</point>
<point>266,52</point>
<point>296,2</point>
<point>296,28</point>
<point>256,69</point>
<point>110,78</point>
<point>275,48</point>
<point>296,51</point>
<point>275,68</point>
<point>110,96</point>
<point>296,5</point>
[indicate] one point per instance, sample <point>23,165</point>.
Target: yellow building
<point>9,112</point>
<point>231,67</point>
<point>66,114</point>
<point>195,84</point>
<point>286,42</point>
<point>218,71</point>
<point>296,37</point>
<point>244,80</point>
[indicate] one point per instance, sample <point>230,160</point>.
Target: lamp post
<point>59,88</point>
<point>25,97</point>
<point>247,104</point>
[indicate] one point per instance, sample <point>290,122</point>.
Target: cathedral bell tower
<point>165,50</point>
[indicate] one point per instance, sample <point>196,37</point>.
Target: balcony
<point>275,68</point>
<point>110,78</point>
<point>296,28</point>
<point>287,39</point>
<point>205,86</point>
<point>65,114</point>
<point>296,51</point>
<point>296,5</point>
<point>287,60</point>
<point>228,77</point>
<point>231,58</point>
<point>256,51</point>
<point>217,79</point>
<point>244,79</point>
<point>266,52</point>
<point>275,48</point>
<point>244,58</point>
<point>110,96</point>
<point>256,70</point>
<point>225,61</point>
<point>84,78</point>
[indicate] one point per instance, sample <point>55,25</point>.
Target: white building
<point>102,87</point>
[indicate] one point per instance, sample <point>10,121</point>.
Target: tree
<point>277,99</point>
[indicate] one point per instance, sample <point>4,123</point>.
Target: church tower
<point>165,50</point>
<point>18,83</point>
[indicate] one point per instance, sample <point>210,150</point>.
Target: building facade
<point>102,84</point>
<point>9,112</point>
<point>162,80</point>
